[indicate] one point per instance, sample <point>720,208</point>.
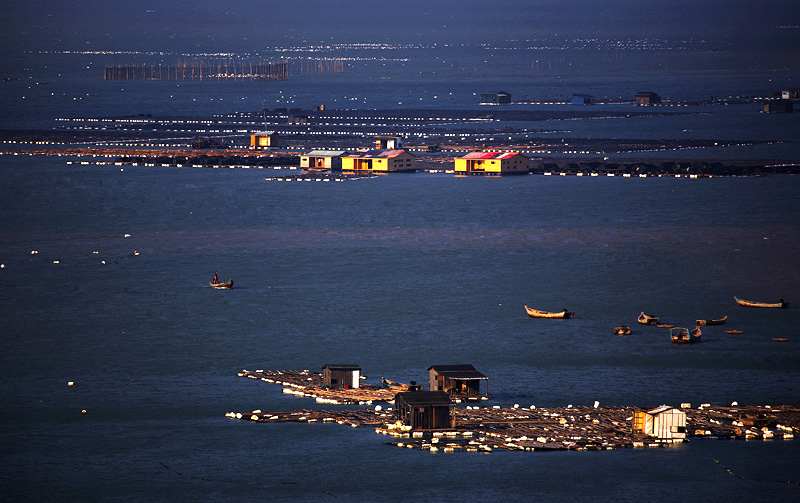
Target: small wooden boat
<point>715,321</point>
<point>665,325</point>
<point>749,303</point>
<point>780,339</point>
<point>680,335</point>
<point>535,313</point>
<point>646,319</point>
<point>226,284</point>
<point>623,330</point>
<point>734,332</point>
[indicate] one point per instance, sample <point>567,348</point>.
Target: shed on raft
<point>493,163</point>
<point>384,161</point>
<point>425,410</point>
<point>388,142</point>
<point>341,376</point>
<point>664,422</point>
<point>266,139</point>
<point>323,159</point>
<point>495,98</point>
<point>458,380</point>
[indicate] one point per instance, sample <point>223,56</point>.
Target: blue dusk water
<point>394,273</point>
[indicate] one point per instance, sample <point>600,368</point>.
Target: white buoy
<point>378,407</point>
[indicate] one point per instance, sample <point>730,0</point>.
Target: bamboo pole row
<point>200,70</point>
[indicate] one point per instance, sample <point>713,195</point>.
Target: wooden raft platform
<point>309,384</point>
<point>483,429</point>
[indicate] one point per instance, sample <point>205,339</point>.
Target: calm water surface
<point>394,273</point>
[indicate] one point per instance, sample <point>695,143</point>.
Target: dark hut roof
<point>424,398</point>
<point>458,371</point>
<point>341,367</point>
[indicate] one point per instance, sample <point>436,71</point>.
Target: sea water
<point>394,273</point>
<point>105,285</point>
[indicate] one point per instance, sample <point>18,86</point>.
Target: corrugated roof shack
<point>266,139</point>
<point>323,159</point>
<point>647,98</point>
<point>425,410</point>
<point>379,161</point>
<point>341,376</point>
<point>458,380</point>
<point>388,142</point>
<point>492,163</point>
<point>664,422</point>
<point>495,98</point>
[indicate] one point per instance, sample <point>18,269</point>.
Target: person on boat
<point>215,276</point>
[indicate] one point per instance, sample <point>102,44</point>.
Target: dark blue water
<point>394,273</point>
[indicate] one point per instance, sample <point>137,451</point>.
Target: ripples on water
<point>395,273</point>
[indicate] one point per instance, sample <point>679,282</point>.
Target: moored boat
<point>715,321</point>
<point>680,335</point>
<point>781,304</point>
<point>622,330</point>
<point>734,332</point>
<point>226,284</point>
<point>646,319</point>
<point>535,313</point>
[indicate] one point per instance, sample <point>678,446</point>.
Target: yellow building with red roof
<point>383,161</point>
<point>492,163</point>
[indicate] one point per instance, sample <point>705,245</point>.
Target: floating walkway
<point>309,384</point>
<point>489,428</point>
<point>485,429</point>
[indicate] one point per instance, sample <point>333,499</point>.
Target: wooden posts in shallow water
<point>201,70</point>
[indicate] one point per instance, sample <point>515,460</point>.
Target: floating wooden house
<point>323,159</point>
<point>388,142</point>
<point>779,107</point>
<point>341,376</point>
<point>425,410</point>
<point>791,94</point>
<point>383,161</point>
<point>492,163</point>
<point>580,99</point>
<point>458,380</point>
<point>647,98</point>
<point>495,98</point>
<point>266,139</point>
<point>664,422</point>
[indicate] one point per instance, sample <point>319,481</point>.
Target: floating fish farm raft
<point>488,428</point>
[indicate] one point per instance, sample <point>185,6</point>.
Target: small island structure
<point>491,163</point>
<point>341,376</point>
<point>461,381</point>
<point>425,410</point>
<point>379,161</point>
<point>263,140</point>
<point>330,160</point>
<point>663,422</point>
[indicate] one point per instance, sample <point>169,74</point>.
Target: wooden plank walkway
<point>484,429</point>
